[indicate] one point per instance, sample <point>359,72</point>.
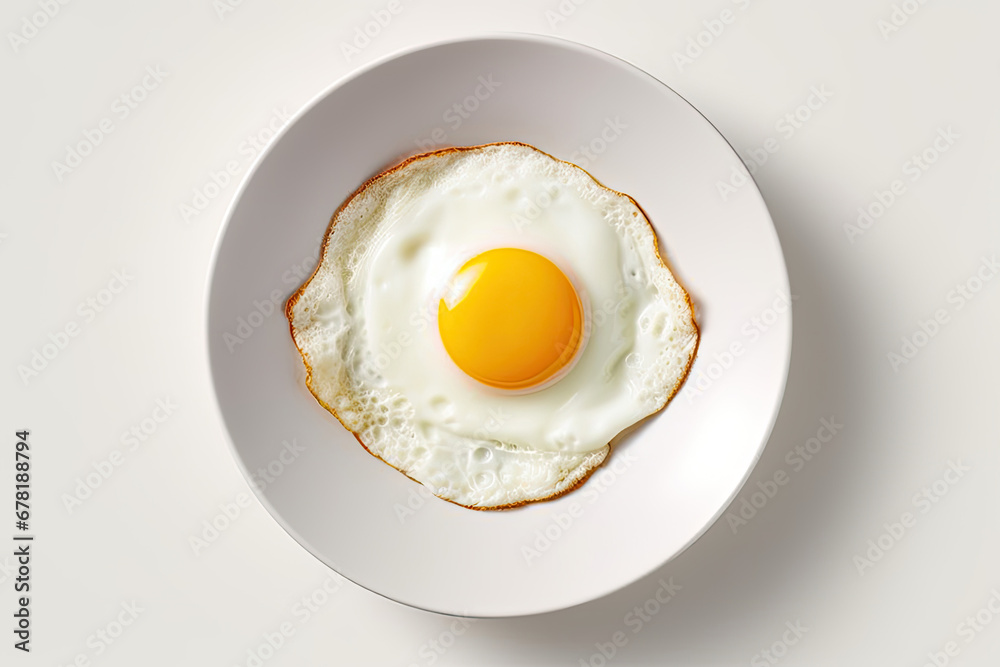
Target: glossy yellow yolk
<point>510,319</point>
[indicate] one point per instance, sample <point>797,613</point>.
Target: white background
<point>796,562</point>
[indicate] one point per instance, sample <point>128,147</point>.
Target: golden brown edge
<point>293,299</point>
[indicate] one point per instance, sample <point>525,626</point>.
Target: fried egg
<point>487,319</point>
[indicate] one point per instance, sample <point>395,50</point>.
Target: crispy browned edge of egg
<point>293,299</point>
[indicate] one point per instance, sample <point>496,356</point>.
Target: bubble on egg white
<point>484,480</point>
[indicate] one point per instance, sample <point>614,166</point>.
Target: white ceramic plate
<point>661,487</point>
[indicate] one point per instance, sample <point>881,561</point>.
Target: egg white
<point>366,322</point>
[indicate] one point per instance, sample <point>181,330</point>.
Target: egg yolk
<point>510,319</point>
